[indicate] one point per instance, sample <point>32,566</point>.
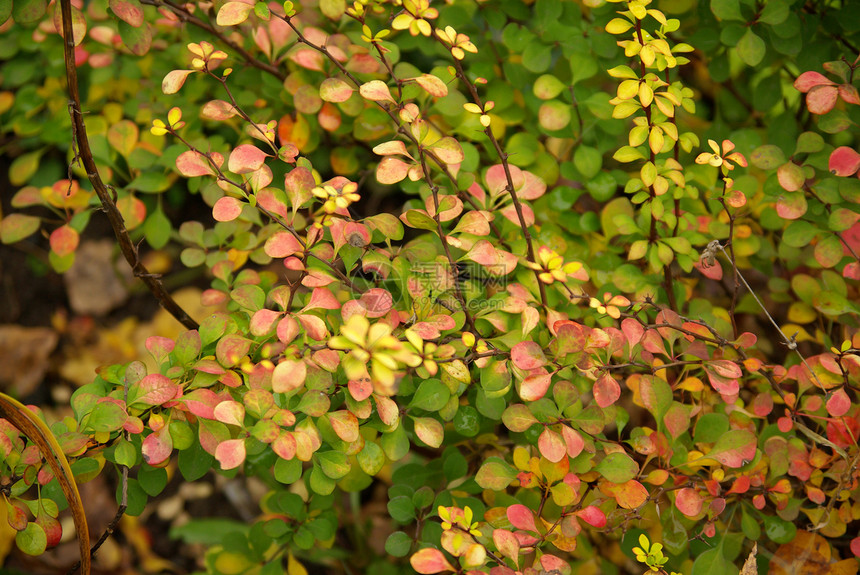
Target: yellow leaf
<point>294,567</point>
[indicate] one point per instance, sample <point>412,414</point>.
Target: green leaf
<point>774,13</point>
<point>105,416</point>
<point>5,10</point>
<point>32,540</point>
<point>157,229</point>
<point>588,161</point>
<point>125,453</point>
<point>617,468</point>
<point>16,227</point>
<point>727,9</point>
<point>287,471</point>
<point>495,474</point>
<point>398,544</point>
<point>333,463</point>
<point>194,462</point>
<point>712,561</point>
<point>432,395</point>
<point>28,11</point>
<point>371,458</point>
<point>751,48</point>
<point>401,509</point>
<point>208,531</point>
<point>152,480</point>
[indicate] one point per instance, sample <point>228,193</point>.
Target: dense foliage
<point>576,281</point>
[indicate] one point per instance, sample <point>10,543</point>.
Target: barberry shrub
<point>576,282</point>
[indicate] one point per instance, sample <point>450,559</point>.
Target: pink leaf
<point>551,445</point>
<point>572,440</point>
<point>157,446</point>
<point>528,355</point>
<point>521,517</point>
<point>429,430</point>
<point>844,161</point>
<point>281,245</point>
<point>226,209</point>
<point>230,412</point>
<point>231,453</point>
<point>285,445</point>
<point>606,390</point>
<point>245,159</point>
<point>129,11</point>
<point>233,13</point>
<point>376,90</point>
<point>262,322</point>
<point>174,80</point>
<point>535,387</point>
<point>335,90</point>
<point>839,403</point>
<point>432,85</point>
<point>64,240</point>
<point>428,561</point>
<point>289,375</point>
<point>689,502</point>
<point>821,99</point>
<point>218,110</point>
<point>507,544</point>
<point>360,389</point>
<point>808,80</point>
<point>156,389</point>
<point>201,402</point>
<point>849,94</point>
<point>345,425</point>
<point>192,164</point>
<point>391,170</point>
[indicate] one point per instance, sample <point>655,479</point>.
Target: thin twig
<point>79,130</point>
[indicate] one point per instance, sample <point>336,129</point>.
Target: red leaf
<point>844,161</point>
<point>689,502</point>
<point>428,561</point>
<point>551,445</point>
<point>521,517</point>
<point>593,516</point>
<point>808,80</point>
<point>231,453</point>
<point>855,546</point>
<point>606,390</point>
<point>226,209</point>
<point>245,159</point>
<point>64,240</point>
<point>360,389</point>
<point>839,403</point>
<point>528,355</point>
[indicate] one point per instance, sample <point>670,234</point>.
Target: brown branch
<point>85,155</point>
<point>186,16</point>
